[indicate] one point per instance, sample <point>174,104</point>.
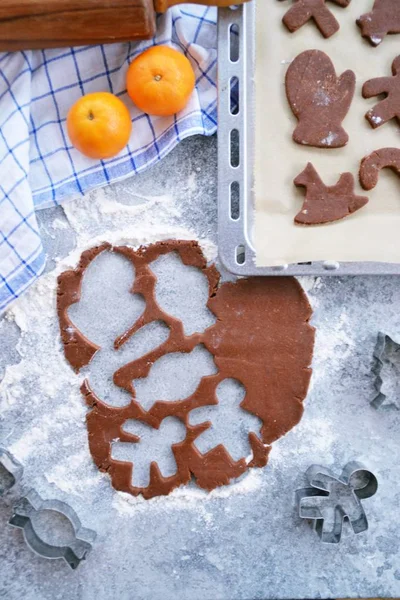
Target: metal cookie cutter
<point>10,471</point>
<point>385,350</point>
<point>73,553</point>
<point>331,499</point>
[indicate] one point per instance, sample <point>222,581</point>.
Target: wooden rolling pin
<point>28,24</point>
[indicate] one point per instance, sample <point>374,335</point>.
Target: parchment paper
<point>371,234</point>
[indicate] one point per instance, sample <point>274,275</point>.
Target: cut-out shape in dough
<point>384,18</point>
<point>230,425</point>
<point>385,158</point>
<point>108,360</point>
<point>389,107</point>
<point>106,289</point>
<point>182,291</point>
<point>303,11</point>
<point>154,449</point>
<point>319,100</point>
<point>325,204</point>
<point>261,338</point>
<point>174,376</point>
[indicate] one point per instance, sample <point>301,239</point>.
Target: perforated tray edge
<point>236,250</point>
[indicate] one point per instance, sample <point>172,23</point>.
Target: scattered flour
<point>376,120</point>
<point>330,138</point>
<point>41,406</point>
<point>59,224</point>
<point>338,345</point>
<point>189,498</point>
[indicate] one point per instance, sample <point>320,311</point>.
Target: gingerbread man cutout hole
<point>152,447</point>
<point>229,424</point>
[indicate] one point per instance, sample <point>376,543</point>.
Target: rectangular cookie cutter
<point>236,60</point>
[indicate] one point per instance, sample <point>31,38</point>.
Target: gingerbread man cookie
<point>319,99</point>
<point>389,108</point>
<point>384,18</point>
<point>325,204</point>
<point>304,10</point>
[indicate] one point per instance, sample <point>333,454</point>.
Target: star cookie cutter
<point>384,347</point>
<point>331,499</point>
<point>10,471</point>
<point>74,552</point>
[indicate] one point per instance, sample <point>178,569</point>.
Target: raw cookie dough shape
<point>274,368</point>
<point>389,107</point>
<point>319,100</point>
<point>383,19</point>
<point>325,204</point>
<point>385,158</point>
<point>304,10</point>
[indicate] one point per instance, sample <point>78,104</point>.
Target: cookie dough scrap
<point>303,11</point>
<point>319,100</point>
<point>324,204</point>
<point>389,107</point>
<point>274,368</point>
<point>385,158</point>
<point>383,19</point>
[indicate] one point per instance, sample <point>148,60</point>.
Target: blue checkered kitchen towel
<point>39,167</point>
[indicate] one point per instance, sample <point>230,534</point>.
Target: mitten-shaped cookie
<point>325,204</point>
<point>384,18</point>
<point>303,11</point>
<point>389,108</point>
<point>319,99</point>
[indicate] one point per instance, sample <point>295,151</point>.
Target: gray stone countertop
<point>243,542</point>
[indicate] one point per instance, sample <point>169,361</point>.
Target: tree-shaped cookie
<point>384,18</point>
<point>325,204</point>
<point>303,11</point>
<point>389,107</point>
<point>319,99</point>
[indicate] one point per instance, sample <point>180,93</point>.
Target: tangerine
<point>160,81</point>
<point>99,125</point>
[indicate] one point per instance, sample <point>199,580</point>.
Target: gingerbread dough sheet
<point>370,234</point>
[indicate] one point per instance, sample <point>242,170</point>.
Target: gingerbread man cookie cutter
<point>74,552</point>
<point>10,471</point>
<point>332,499</point>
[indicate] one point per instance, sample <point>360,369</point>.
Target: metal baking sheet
<point>236,59</point>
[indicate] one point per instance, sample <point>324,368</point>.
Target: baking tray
<point>236,59</point>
